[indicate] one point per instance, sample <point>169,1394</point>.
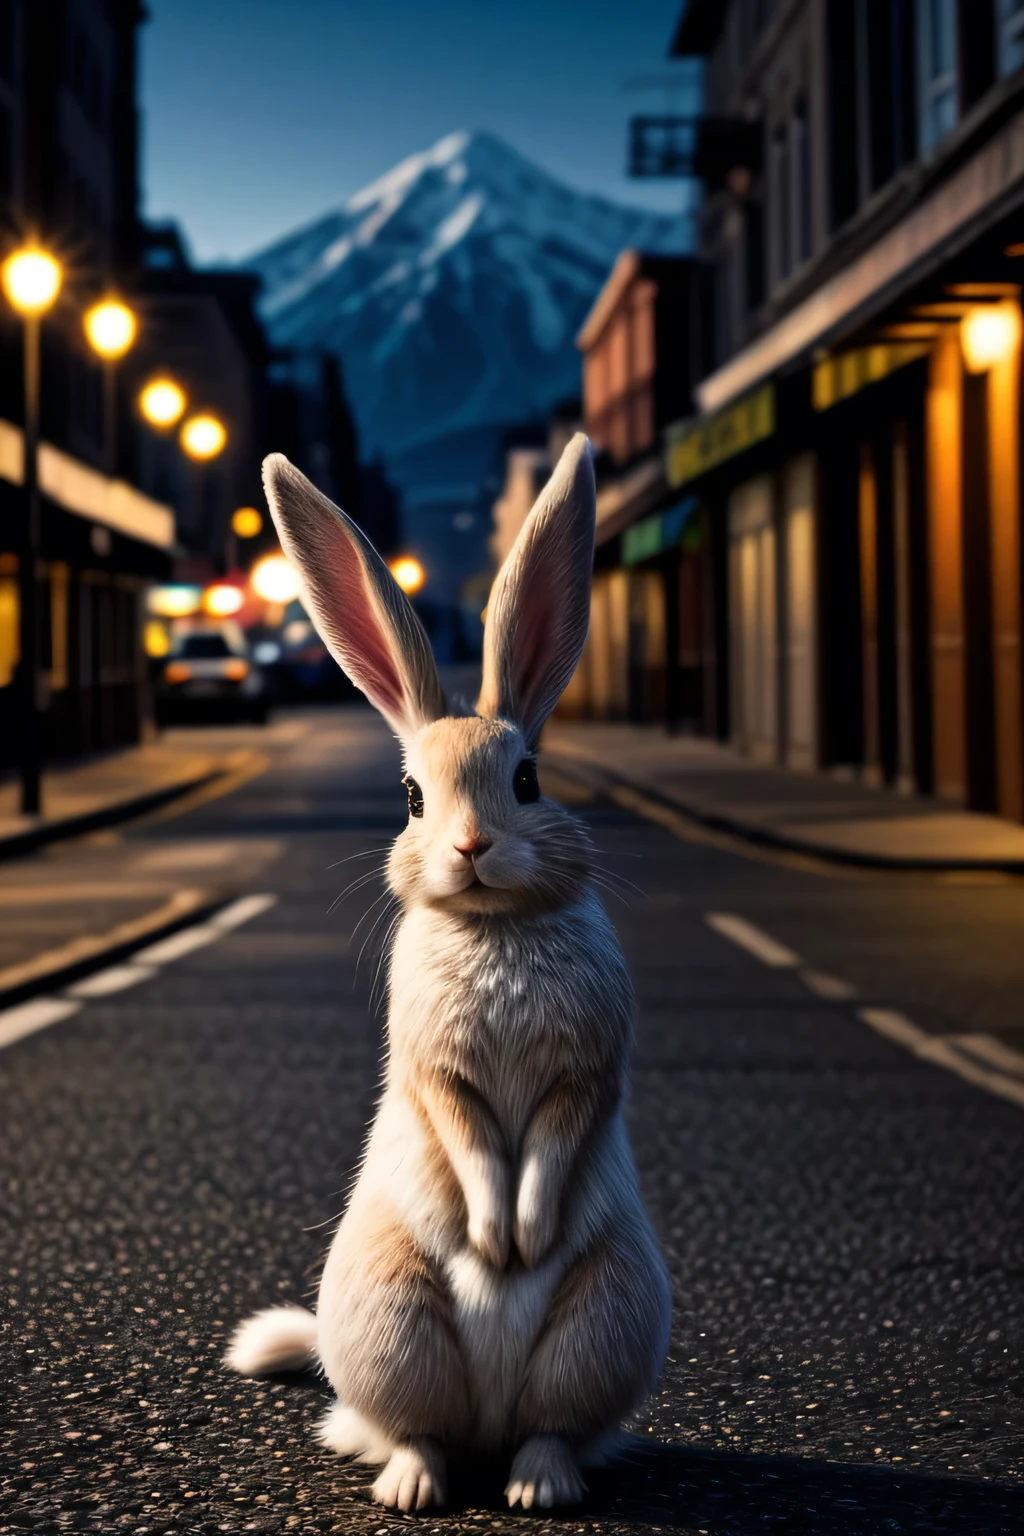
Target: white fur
<point>346,1433</point>
<point>277,1339</point>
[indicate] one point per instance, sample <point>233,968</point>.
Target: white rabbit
<point>494,1285</point>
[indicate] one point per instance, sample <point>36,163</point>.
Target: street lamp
<point>110,330</point>
<point>202,438</point>
<point>162,403</point>
<point>408,572</point>
<point>31,280</point>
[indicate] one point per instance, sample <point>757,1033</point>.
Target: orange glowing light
<point>408,572</point>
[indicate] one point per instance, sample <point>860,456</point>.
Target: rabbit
<point>494,1286</point>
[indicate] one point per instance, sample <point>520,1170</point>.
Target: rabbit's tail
<point>278,1339</point>
<point>346,1432</point>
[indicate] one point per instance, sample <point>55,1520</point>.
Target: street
<point>842,1217</point>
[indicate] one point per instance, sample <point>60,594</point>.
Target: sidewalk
<point>86,795</point>
<point>816,812</point>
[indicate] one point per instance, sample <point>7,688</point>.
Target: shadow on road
<point>669,1488</point>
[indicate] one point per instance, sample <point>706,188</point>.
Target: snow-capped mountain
<point>452,289</point>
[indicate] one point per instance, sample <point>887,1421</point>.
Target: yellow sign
<point>695,447</point>
<point>839,377</point>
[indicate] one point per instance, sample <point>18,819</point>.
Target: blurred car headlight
<point>177,672</point>
<point>236,669</point>
<point>266,653</point>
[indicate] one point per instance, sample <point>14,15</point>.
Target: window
<point>783,203</point>
<point>1011,35</point>
<point>800,177</point>
<point>841,103</point>
<point>937,72</point>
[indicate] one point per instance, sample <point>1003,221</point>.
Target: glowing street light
<point>203,437</point>
<point>246,522</point>
<point>988,334</point>
<point>275,579</point>
<point>162,402</point>
<point>408,572</point>
<point>222,599</point>
<point>31,280</point>
<point>176,600</point>
<point>110,328</point>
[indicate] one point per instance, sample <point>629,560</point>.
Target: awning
<point>665,530</point>
<point>897,257</point>
<point>84,491</point>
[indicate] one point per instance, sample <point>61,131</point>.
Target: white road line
<point>766,949</point>
<point>39,1012</point>
<point>26,1018</point>
<point>995,1053</point>
<point>896,1027</point>
<point>941,1051</point>
<point>117,978</point>
<point>834,988</point>
<point>179,944</point>
<point>242,911</point>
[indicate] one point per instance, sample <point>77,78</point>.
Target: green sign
<point>664,530</point>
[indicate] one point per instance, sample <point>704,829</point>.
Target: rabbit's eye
<point>524,782</point>
<point>415,795</point>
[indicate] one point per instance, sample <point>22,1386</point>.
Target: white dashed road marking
<point>752,939</point>
<point>981,1060</point>
<point>39,1012</point>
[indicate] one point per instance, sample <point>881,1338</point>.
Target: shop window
<point>1011,35</point>
<point>9,616</point>
<point>937,69</point>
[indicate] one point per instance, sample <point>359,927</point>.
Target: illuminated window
<point>9,611</point>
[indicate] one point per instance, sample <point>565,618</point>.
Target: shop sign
<point>665,530</point>
<point>695,447</point>
<point>837,378</point>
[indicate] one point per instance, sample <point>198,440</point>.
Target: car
<point>209,675</point>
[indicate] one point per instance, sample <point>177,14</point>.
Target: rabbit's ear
<point>363,618</point>
<point>539,608</point>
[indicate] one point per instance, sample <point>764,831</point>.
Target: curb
<point>64,975</point>
<point>17,844</point>
<point>588,772</point>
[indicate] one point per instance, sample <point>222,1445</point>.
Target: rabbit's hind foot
<point>414,1478</point>
<point>544,1473</point>
<point>347,1433</point>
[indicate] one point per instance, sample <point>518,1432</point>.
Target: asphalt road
<point>842,1218</point>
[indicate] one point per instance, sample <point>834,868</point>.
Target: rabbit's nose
<point>472,847</point>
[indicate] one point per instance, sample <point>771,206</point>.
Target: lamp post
<point>31,280</point>
<point>203,437</point>
<point>110,330</point>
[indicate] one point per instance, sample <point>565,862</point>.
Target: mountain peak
<point>452,287</point>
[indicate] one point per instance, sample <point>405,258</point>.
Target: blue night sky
<point>260,115</point>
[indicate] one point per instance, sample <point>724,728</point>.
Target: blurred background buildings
<point>803,388</point>
<point>821,560</point>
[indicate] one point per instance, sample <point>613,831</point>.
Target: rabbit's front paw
<point>536,1223</point>
<point>489,1232</point>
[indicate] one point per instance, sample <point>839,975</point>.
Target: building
<point>857,440</point>
<point>652,611</point>
<point>68,177</point>
<point>201,328</point>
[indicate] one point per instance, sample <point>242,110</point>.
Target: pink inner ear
<point>533,645</point>
<point>361,638</point>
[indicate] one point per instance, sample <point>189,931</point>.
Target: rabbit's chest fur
<point>509,1006</point>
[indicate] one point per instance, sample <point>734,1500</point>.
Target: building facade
<point>856,437</point>
<point>650,649</point>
